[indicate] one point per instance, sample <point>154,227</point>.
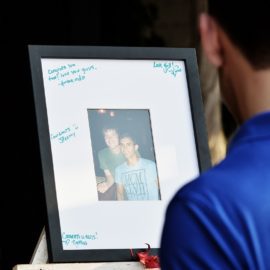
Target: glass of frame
<point>120,131</point>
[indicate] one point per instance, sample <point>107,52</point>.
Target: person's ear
<point>210,39</point>
<point>136,147</point>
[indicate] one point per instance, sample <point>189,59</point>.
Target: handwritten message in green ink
<point>65,134</point>
<point>69,74</point>
<point>78,240</point>
<point>168,67</point>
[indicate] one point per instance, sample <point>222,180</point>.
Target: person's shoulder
<point>121,167</point>
<point>148,162</point>
<point>211,185</point>
<point>103,151</point>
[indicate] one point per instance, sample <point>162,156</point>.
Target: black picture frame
<point>37,53</point>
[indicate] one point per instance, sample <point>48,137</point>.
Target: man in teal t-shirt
<point>137,178</point>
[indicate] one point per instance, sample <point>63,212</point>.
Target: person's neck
<point>133,160</point>
<point>253,93</point>
<point>116,150</point>
<point>250,87</point>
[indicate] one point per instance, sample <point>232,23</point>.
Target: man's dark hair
<point>247,23</point>
<point>128,135</point>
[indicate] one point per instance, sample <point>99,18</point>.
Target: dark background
<point>170,23</point>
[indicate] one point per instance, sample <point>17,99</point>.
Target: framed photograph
<point>120,131</point>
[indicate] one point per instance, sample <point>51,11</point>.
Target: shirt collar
<point>257,127</point>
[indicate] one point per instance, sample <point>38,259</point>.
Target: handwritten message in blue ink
<point>65,134</point>
<point>168,67</point>
<point>78,240</point>
<point>69,74</point>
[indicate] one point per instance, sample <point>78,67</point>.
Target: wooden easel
<point>40,258</point>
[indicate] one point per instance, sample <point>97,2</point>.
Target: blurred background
<point>154,23</point>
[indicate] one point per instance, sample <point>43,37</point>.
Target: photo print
<point>124,154</point>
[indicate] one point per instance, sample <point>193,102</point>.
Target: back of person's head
<point>247,23</point>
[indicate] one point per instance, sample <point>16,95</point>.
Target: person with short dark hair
<point>136,178</point>
<point>222,219</point>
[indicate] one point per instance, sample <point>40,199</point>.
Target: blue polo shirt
<point>222,220</point>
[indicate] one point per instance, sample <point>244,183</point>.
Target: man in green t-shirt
<point>109,158</point>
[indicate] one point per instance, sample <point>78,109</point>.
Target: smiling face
<point>128,147</point>
<point>111,138</point>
